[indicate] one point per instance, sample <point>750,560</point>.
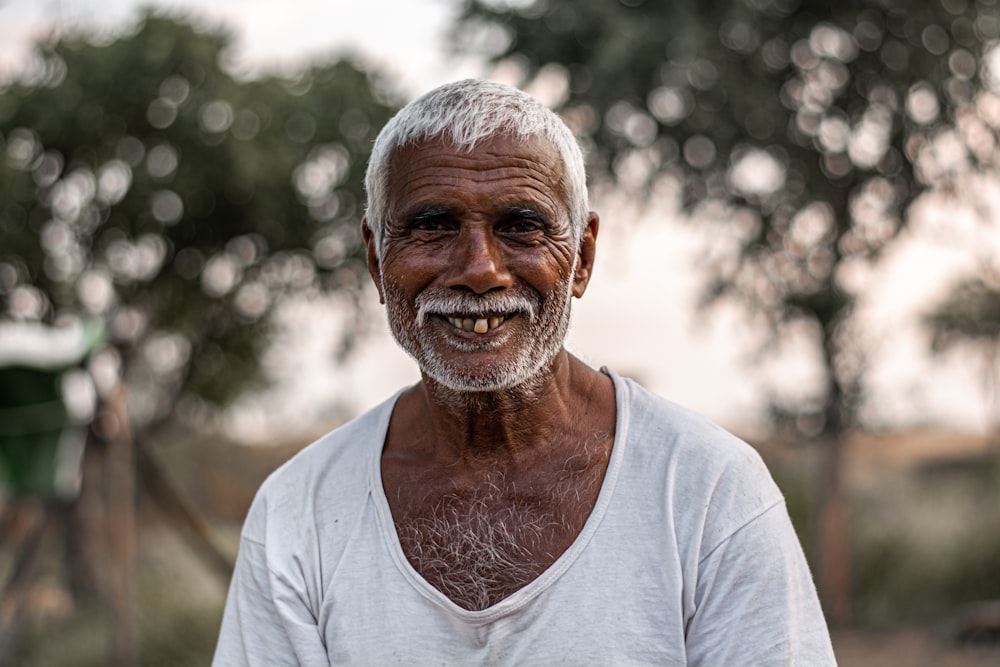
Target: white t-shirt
<point>688,558</point>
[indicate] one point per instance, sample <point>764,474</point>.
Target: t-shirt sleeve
<point>756,603</point>
<point>267,621</point>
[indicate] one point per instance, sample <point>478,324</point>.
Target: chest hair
<point>480,545</point>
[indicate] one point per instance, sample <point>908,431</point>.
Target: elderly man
<point>514,507</point>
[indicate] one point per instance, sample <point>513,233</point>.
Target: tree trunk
<point>85,517</point>
<point>832,534</point>
<point>121,528</point>
<point>24,571</point>
<point>832,526</point>
<point>833,544</point>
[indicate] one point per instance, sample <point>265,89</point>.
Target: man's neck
<point>507,427</point>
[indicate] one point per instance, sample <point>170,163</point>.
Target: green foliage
<point>800,130</point>
<point>143,184</point>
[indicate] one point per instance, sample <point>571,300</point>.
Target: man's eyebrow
<point>427,213</point>
<point>524,211</point>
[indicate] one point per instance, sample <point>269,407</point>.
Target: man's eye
<point>525,227</point>
<point>429,225</point>
<point>522,220</point>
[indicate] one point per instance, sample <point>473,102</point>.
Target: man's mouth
<point>479,325</point>
<point>478,315</point>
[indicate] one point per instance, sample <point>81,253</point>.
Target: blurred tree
<point>144,187</point>
<point>142,184</point>
<point>798,131</point>
<point>970,316</point>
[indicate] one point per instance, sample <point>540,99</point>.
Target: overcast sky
<point>637,314</point>
<point>406,37</point>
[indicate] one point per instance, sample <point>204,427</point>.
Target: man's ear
<point>374,270</point>
<point>585,255</point>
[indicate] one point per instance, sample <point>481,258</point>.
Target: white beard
<point>548,321</point>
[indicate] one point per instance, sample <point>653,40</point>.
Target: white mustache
<point>448,303</point>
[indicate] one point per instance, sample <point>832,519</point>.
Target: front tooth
<point>481,326</point>
<point>494,322</point>
<point>468,323</point>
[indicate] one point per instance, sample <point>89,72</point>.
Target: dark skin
<point>484,222</point>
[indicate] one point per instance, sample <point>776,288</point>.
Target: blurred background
<point>800,204</point>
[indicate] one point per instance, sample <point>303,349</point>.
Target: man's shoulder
<point>702,454</point>
<point>717,481</point>
<point>343,453</point>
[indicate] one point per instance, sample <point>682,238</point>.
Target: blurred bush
<point>929,541</point>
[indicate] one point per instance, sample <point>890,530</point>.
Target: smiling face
<point>479,261</point>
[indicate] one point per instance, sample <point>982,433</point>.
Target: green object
<point>33,423</point>
<point>41,440</point>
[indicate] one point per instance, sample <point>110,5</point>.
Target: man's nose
<point>478,263</point>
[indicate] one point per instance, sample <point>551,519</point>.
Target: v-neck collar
<point>542,582</point>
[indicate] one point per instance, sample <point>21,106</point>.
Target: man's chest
<point>480,545</point>
<point>605,600</point>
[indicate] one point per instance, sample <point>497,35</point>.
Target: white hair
<point>466,112</point>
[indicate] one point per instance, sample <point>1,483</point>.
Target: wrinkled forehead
<point>530,157</point>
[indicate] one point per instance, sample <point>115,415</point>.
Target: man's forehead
<point>428,164</point>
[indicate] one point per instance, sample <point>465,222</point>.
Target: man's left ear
<point>585,255</point>
<point>374,269</point>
